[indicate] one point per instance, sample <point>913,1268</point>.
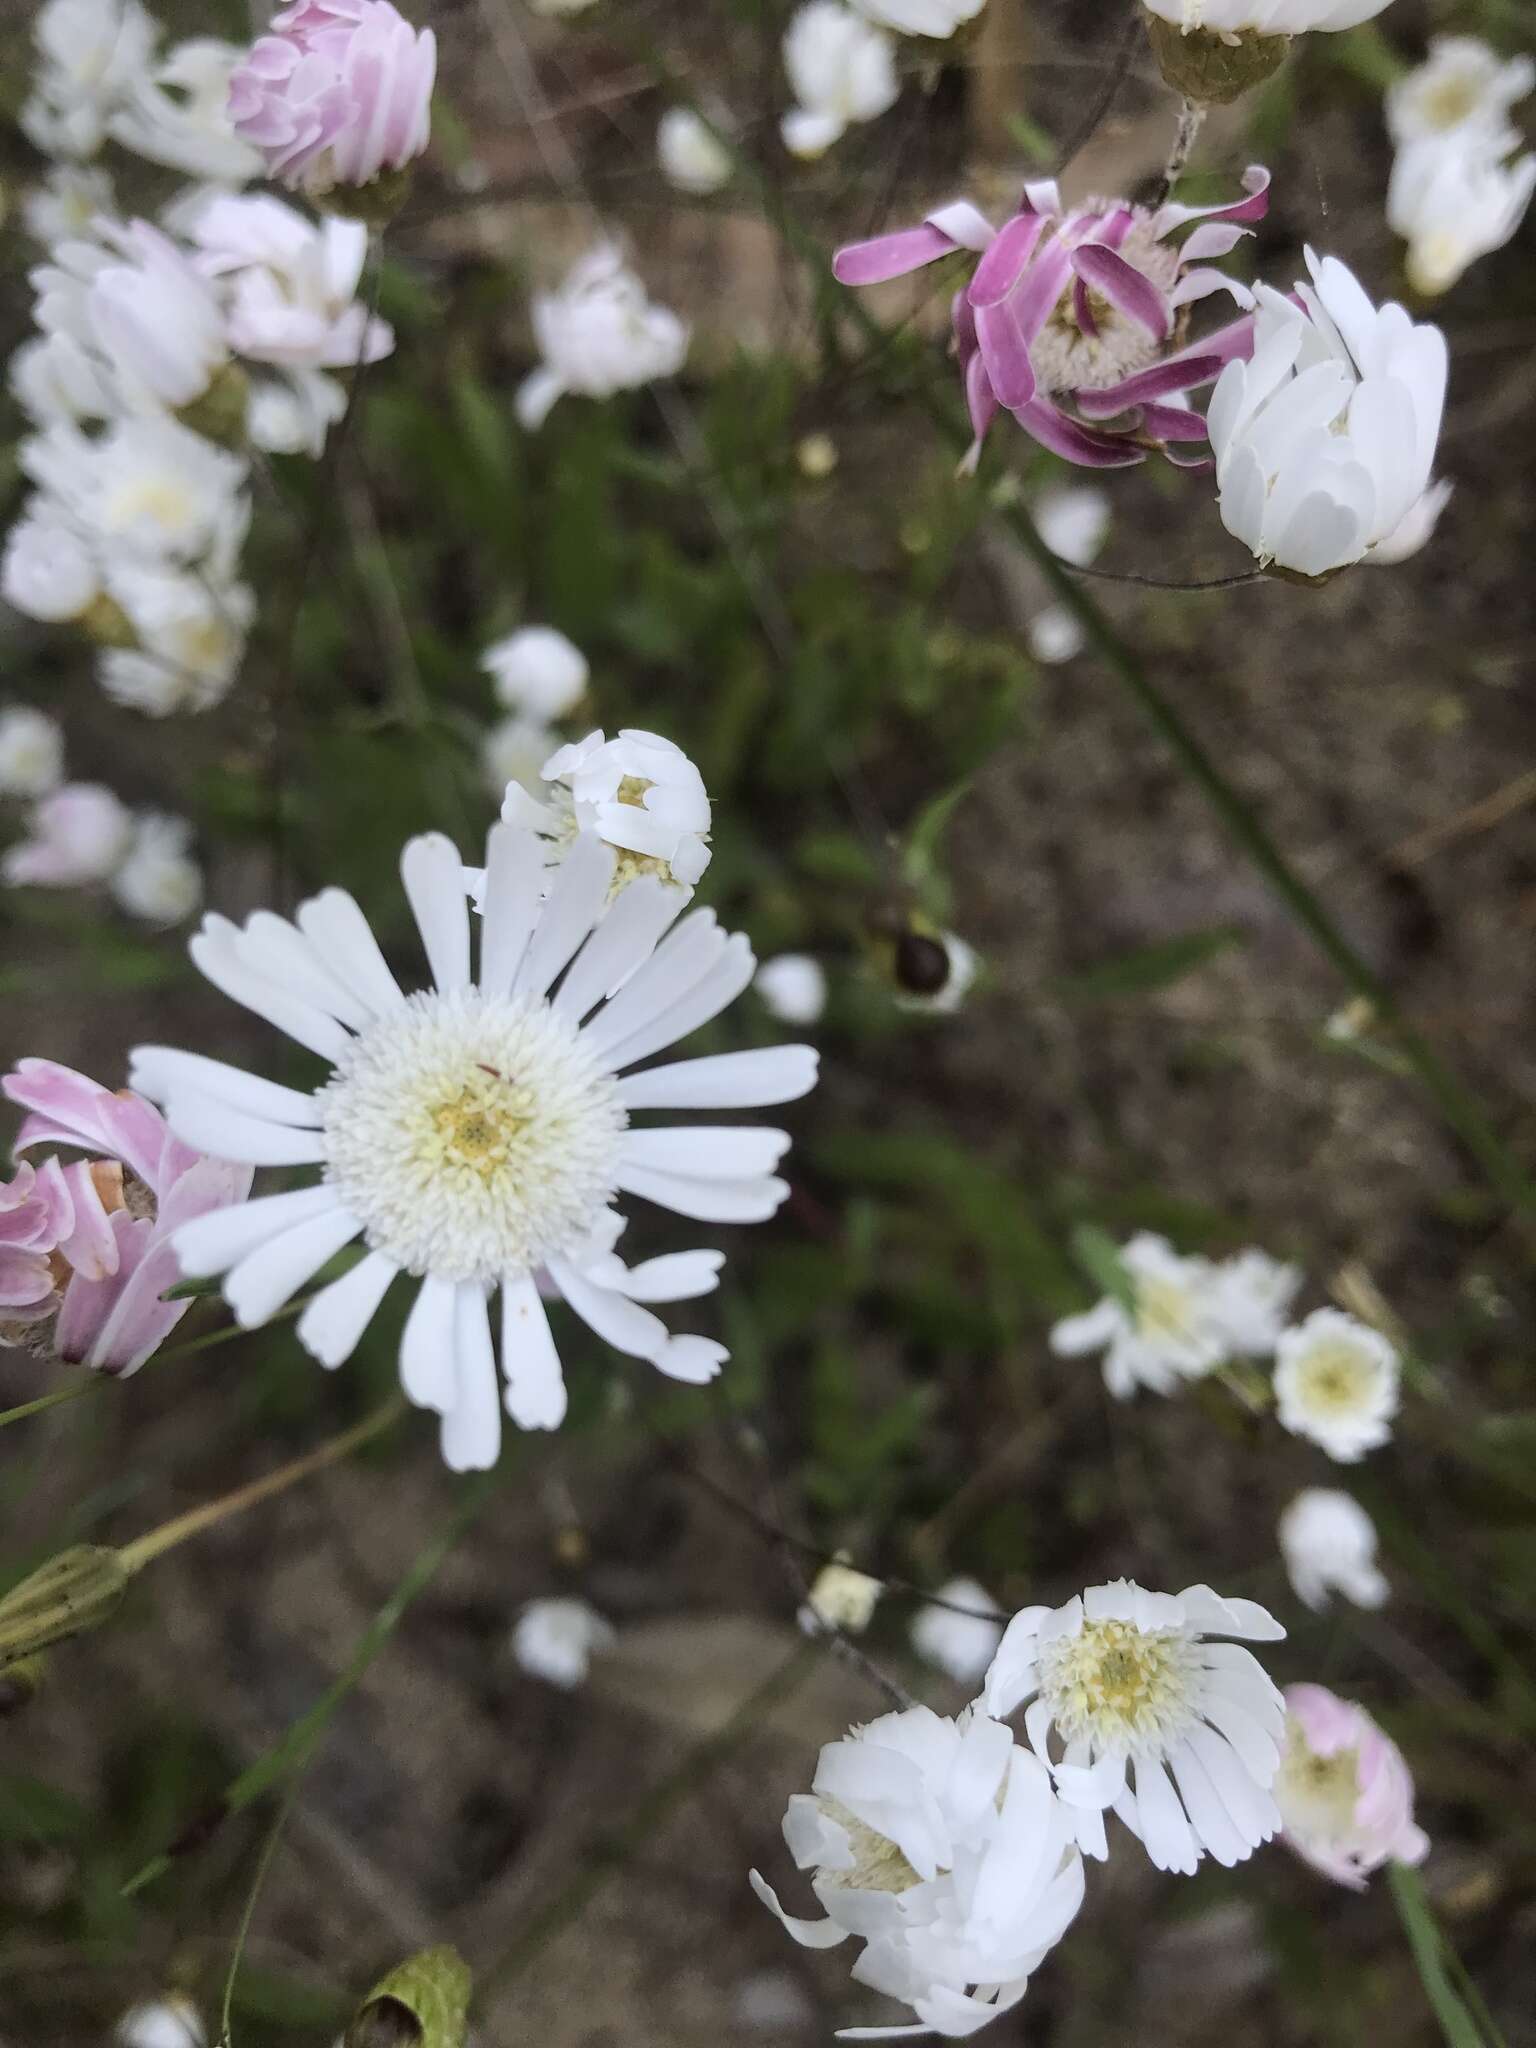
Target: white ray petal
<point>706,999</point>
<point>617,1320</point>
<point>216,957</point>
<point>343,938</point>
<point>706,1201</point>
<point>433,876</point>
<point>471,1430</point>
<point>572,907</point>
<point>160,1070</point>
<point>332,1325</point>
<point>514,886</point>
<point>271,945</point>
<point>625,939</point>
<point>264,1279</point>
<point>427,1347</point>
<point>706,1151</point>
<point>228,1133</point>
<point>219,1240</point>
<point>726,1080</point>
<point>682,960</point>
<point>530,1364</point>
<point>675,1276</point>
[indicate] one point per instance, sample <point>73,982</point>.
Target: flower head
<point>537,672</point>
<point>1463,90</point>
<point>92,54</point>
<point>793,987</point>
<point>158,880</point>
<point>1328,1542</point>
<point>1336,1382</point>
<point>637,792</point>
<point>1130,1682</point>
<point>599,334</point>
<point>339,91</point>
<point>958,1630</point>
<point>47,571</point>
<point>554,1640</point>
<point>475,1133</point>
<point>1251,1296</point>
<point>691,155</point>
<point>122,1206</point>
<point>292,283</point>
<point>842,1600</point>
<point>147,488</point>
<point>77,836</point>
<point>1172,1329</point>
<point>31,752</point>
<point>1073,318</point>
<point>1344,1791</point>
<point>155,318</point>
<point>178,114</point>
<point>941,1845</point>
<point>841,70</point>
<point>1453,202</point>
<point>1325,439</point>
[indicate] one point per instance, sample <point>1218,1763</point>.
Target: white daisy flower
<point>1462,91</point>
<point>537,672</point>
<point>940,1844</point>
<point>554,1640</point>
<point>1251,1296</point>
<point>1328,1542</point>
<point>1132,1687</point>
<point>841,1600</point>
<point>1336,1382</point>
<point>637,792</point>
<point>1174,1332</point>
<point>475,1133</point>
<point>962,1644</point>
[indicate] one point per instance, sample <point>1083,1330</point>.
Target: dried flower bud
<point>71,1593</point>
<point>424,2003</point>
<point>1210,68</point>
<point>19,1684</point>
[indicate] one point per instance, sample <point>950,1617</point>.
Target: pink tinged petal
<point>1005,260</point>
<point>706,1151</point>
<point>535,1392</point>
<point>1082,310</point>
<point>1208,244</point>
<point>714,992</point>
<point>264,1279</point>
<point>343,937</point>
<point>140,1319</point>
<point>1165,1832</point>
<point>1004,353</point>
<point>1064,437</point>
<point>809,1933</point>
<point>1209,1818</point>
<point>161,1071</point>
<point>573,906</point>
<point>25,1279</point>
<point>216,954</point>
<point>433,875</point>
<point>728,1080</point>
<point>90,1247</point>
<point>514,886</point>
<point>88,1304</point>
<point>628,935</point>
<point>427,1347</point>
<point>1042,195</point>
<point>1171,423</point>
<point>1200,284</point>
<point>1252,207</point>
<point>964,224</point>
<point>1125,287</point>
<point>332,1326</point>
<point>214,1242</point>
<point>70,1109</point>
<point>705,1201</point>
<point>888,256</point>
<point>981,404</point>
<point>1042,285</point>
<point>471,1430</point>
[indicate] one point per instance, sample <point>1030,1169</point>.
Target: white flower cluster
<point>1458,189</point>
<point>79,836</point>
<point>161,350</point>
<point>1180,1318</point>
<point>598,334</point>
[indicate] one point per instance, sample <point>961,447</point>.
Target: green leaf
<point>1156,966</point>
<point>932,821</point>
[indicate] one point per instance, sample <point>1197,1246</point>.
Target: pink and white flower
<point>292,283</point>
<point>1345,1794</point>
<point>1073,318</point>
<point>477,1133</point>
<point>77,836</point>
<point>339,91</point>
<point>116,1211</point>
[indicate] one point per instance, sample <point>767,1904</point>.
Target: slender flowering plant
<point>1074,318</point>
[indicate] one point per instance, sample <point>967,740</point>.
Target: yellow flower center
<point>1336,1379</point>
<point>1127,1688</point>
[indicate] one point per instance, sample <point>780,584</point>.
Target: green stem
<point>1432,1954</point>
<point>607,1856</point>
<point>292,1750</point>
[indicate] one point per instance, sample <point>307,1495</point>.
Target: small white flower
<point>154,319</point>
<point>961,1644</point>
<point>941,1845</point>
<point>191,634</point>
<point>599,334</point>
<point>65,204</point>
<point>47,571</point>
<point>1463,89</point>
<point>1251,1297</point>
<point>1129,1681</point>
<point>1173,1332</point>
<point>159,881</point>
<point>146,488</point>
<point>77,836</point>
<point>1325,440</point>
<point>475,1134</point>
<point>692,157</point>
<point>1265,17</point>
<point>946,978</point>
<point>1453,202</point>
<point>1055,635</point>
<point>293,415</point>
<point>31,751</point>
<point>537,672</point>
<point>292,283</point>
<point>169,2022</point>
<point>793,987</point>
<point>515,751</point>
<point>1336,1382</point>
<point>179,115</point>
<point>554,1640</point>
<point>840,1600</point>
<point>1328,1542</point>
<point>841,70</point>
<point>58,381</point>
<point>93,54</point>
<point>637,791</point>
<point>937,18</point>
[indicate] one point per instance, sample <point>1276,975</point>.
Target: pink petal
<point>890,256</point>
<point>1074,443</point>
<point>1125,287</point>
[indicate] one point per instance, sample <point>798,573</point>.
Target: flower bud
<point>20,1684</point>
<point>1214,69</point>
<point>71,1593</point>
<point>424,2003</point>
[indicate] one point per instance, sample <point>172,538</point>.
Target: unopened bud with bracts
<point>73,1592</point>
<point>1210,69</point>
<point>424,2003</point>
